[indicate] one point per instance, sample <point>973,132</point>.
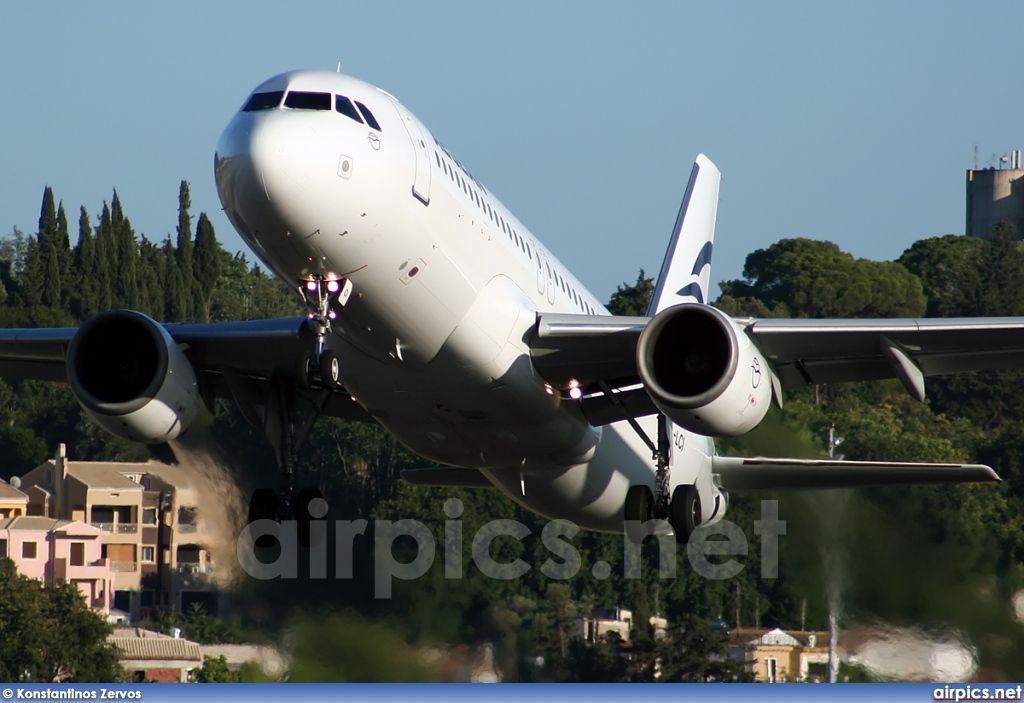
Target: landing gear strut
<point>680,507</point>
<point>282,423</point>
<point>323,296</point>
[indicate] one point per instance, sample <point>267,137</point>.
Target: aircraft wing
<point>740,474</point>
<point>232,360</point>
<point>601,350</point>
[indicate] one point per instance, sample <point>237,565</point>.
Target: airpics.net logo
<point>725,542</point>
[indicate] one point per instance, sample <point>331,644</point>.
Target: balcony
<point>64,570</point>
<point>124,566</point>
<point>195,568</point>
<point>123,528</point>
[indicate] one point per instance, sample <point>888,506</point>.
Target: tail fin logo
<point>693,288</point>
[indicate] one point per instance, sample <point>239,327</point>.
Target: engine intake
<point>131,377</point>
<point>703,371</point>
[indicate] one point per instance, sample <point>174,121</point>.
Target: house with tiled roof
<point>777,655</point>
<point>59,551</point>
<point>150,533</point>
<point>12,501</point>
<point>150,656</point>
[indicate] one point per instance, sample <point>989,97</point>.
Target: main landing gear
<point>286,427</point>
<point>681,508</point>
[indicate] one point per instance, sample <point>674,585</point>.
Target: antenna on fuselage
<point>338,69</point>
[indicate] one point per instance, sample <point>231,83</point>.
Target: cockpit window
<point>264,101</point>
<point>345,107</point>
<point>298,100</point>
<point>368,115</point>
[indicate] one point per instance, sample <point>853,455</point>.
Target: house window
<point>147,554</point>
<point>773,666</point>
<point>149,516</point>
<point>28,550</point>
<point>78,554</point>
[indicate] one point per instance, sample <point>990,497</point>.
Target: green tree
<point>348,649</point>
<point>175,297</point>
<point>50,634</point>
<point>207,265</point>
<point>694,652</point>
<point>183,253</point>
<point>126,253</point>
<point>950,271</point>
<point>105,261</point>
<point>816,279</point>
<point>83,298</point>
<point>215,670</point>
<point>632,299</point>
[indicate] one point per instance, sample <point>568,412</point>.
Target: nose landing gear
<point>285,426</point>
<point>324,296</point>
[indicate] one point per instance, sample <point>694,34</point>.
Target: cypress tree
<point>106,261</point>
<point>84,303</point>
<point>184,252</point>
<point>207,264</point>
<point>152,269</point>
<point>174,300</point>
<point>34,277</point>
<point>51,290</point>
<point>127,254</point>
<point>64,256</point>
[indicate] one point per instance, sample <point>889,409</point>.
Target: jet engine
<point>703,371</point>
<point>132,378</point>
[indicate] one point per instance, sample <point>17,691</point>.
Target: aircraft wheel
<point>263,506</point>
<point>305,515</point>
<point>638,510</point>
<point>302,372</point>
<point>330,370</point>
<point>684,512</point>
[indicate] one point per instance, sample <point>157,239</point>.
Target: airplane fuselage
<point>327,176</point>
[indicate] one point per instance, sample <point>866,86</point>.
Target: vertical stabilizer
<point>686,272</point>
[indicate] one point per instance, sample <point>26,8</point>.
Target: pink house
<point>60,551</point>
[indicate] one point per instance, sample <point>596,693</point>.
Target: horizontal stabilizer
<point>741,474</point>
<point>446,476</point>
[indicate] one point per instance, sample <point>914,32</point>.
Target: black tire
<point>330,370</point>
<point>303,377</point>
<point>263,506</point>
<point>304,518</point>
<point>637,511</point>
<point>684,512</point>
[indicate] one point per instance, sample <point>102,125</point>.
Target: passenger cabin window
<point>298,100</point>
<point>263,101</point>
<point>345,107</point>
<point>368,115</point>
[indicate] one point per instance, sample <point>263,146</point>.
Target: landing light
<point>575,393</point>
<point>332,315</point>
<point>311,285</point>
<point>332,286</point>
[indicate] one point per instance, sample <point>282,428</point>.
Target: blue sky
<point>852,122</point>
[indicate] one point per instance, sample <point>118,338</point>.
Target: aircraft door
<point>421,179</point>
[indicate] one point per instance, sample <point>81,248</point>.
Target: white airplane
<point>436,313</point>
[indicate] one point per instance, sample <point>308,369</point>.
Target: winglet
<point>686,272</point>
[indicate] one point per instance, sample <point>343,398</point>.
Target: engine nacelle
<point>131,377</point>
<point>703,371</point>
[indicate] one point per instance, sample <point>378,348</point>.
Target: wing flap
<point>741,474</point>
